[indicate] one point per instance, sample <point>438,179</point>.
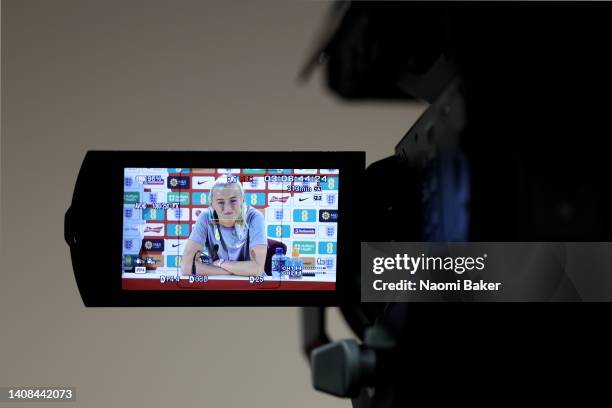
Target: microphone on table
<point>205,258</point>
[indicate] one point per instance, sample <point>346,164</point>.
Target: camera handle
<point>344,368</point>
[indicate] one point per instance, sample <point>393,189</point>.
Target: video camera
<point>510,149</point>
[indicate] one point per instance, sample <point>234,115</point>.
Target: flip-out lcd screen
<point>230,229</point>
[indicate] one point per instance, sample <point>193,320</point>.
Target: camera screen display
<point>230,229</point>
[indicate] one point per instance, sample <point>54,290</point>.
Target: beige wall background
<point>155,75</point>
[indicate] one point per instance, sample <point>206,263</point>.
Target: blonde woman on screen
<point>232,232</point>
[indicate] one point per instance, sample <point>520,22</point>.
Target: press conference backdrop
<point>158,75</point>
<point>299,208</point>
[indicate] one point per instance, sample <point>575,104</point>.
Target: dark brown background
<point>158,75</point>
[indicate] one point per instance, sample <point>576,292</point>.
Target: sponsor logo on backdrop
<point>304,215</point>
<point>327,248</point>
<point>254,171</point>
<point>305,247</point>
<point>304,231</point>
<point>174,246</point>
<point>131,197</point>
<point>152,197</point>
<point>303,199</point>
<point>279,171</point>
<point>178,182</point>
<point>309,261</point>
<point>178,230</point>
<point>327,231</point>
<point>229,171</point>
<point>153,230</point>
<point>131,230</point>
<point>328,215</point>
<point>173,261</point>
<point>199,199</point>
<point>256,199</point>
<point>129,213</point>
<point>151,180</point>
<point>278,214</point>
<point>178,214</point>
<point>279,231</point>
<point>328,263</point>
<point>178,170</point>
<point>305,171</point>
<point>329,200</point>
<point>153,245</point>
<point>153,214</point>
<point>278,198</point>
<point>128,260</point>
<point>131,244</point>
<point>330,184</point>
<point>202,182</point>
<point>180,198</point>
